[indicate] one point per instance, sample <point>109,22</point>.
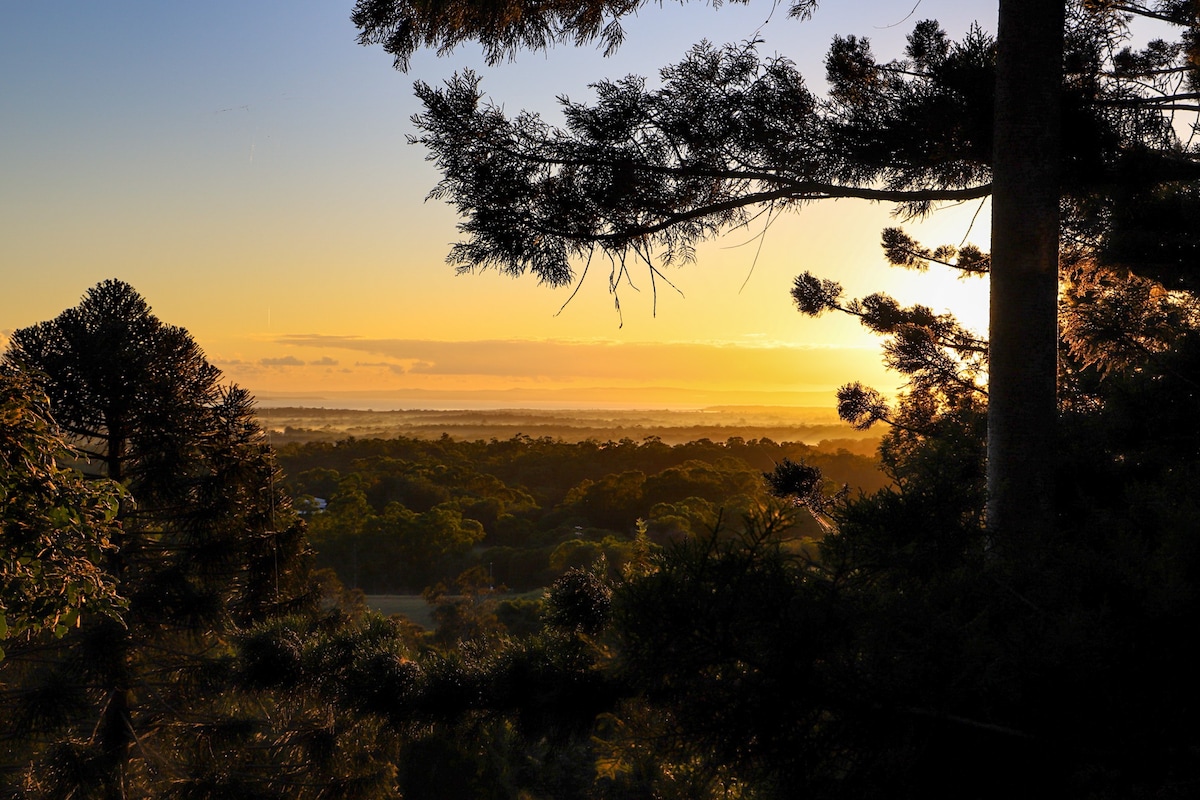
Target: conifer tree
<point>207,545</point>
<point>644,174</point>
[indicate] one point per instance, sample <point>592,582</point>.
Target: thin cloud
<point>399,369</point>
<point>683,363</point>
<point>286,361</point>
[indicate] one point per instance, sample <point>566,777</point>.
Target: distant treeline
<point>809,424</point>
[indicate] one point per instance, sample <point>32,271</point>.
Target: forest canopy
<point>1061,119</point>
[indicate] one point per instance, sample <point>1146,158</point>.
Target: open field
<point>412,606</point>
<point>415,609</point>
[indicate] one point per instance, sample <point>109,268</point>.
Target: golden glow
<point>266,199</point>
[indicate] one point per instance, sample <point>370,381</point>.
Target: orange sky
<point>247,172</point>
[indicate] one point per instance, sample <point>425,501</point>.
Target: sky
<point>245,167</point>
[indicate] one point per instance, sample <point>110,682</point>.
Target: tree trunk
<point>1022,400</point>
<point>114,740</point>
<point>113,736</point>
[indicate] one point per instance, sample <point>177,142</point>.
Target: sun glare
<point>965,298</point>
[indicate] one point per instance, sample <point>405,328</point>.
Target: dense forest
<point>400,515</point>
<point>178,606</point>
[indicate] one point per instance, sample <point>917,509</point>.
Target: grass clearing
<point>411,606</point>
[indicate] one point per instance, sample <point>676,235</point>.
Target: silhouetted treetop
<point>729,136</point>
<point>120,379</point>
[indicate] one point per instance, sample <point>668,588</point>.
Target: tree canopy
<point>1060,119</point>
<point>404,26</point>
<point>728,134</point>
<point>647,173</point>
<point>204,544</point>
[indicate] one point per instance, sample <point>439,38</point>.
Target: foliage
<point>644,169</point>
<point>394,549</point>
<point>909,654</point>
<point>56,528</point>
<point>663,168</point>
<point>402,514</point>
<point>581,601</point>
<point>206,544</point>
<point>502,28</point>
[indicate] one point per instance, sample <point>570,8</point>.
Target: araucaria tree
<point>641,175</point>
<point>206,546</point>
